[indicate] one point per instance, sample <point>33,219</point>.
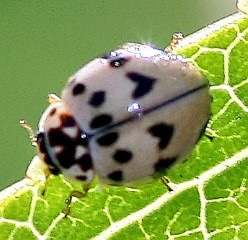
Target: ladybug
<point>126,115</point>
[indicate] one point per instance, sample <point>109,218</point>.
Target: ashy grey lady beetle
<point>124,116</point>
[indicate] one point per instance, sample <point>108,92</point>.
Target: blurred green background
<point>43,42</point>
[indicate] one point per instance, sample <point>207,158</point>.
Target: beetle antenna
<point>30,130</point>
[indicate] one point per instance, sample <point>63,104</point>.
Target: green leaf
<point>209,197</point>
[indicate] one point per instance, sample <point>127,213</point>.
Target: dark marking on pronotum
<point>52,112</point>
<point>67,120</point>
<point>85,162</point>
<point>162,131</point>
<point>97,98</point>
<point>66,156</point>
<point>107,139</point>
<point>116,176</point>
<point>67,146</point>
<point>79,88</point>
<point>100,121</point>
<point>41,142</point>
<point>144,84</point>
<point>43,150</point>
<point>56,137</point>
<point>122,156</point>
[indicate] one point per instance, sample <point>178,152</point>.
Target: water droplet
<point>83,135</point>
<point>133,107</point>
<point>117,63</point>
<point>113,54</point>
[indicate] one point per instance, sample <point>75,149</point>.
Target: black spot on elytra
<point>143,83</point>
<point>57,137</point>
<point>85,162</point>
<point>164,163</point>
<point>107,139</point>
<point>122,156</point>
<point>162,131</point>
<point>78,89</point>
<point>66,157</point>
<point>100,121</point>
<point>118,61</point>
<point>97,99</point>
<point>67,120</point>
<point>116,176</point>
<point>53,111</point>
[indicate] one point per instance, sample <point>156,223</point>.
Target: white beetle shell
<point>141,109</point>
